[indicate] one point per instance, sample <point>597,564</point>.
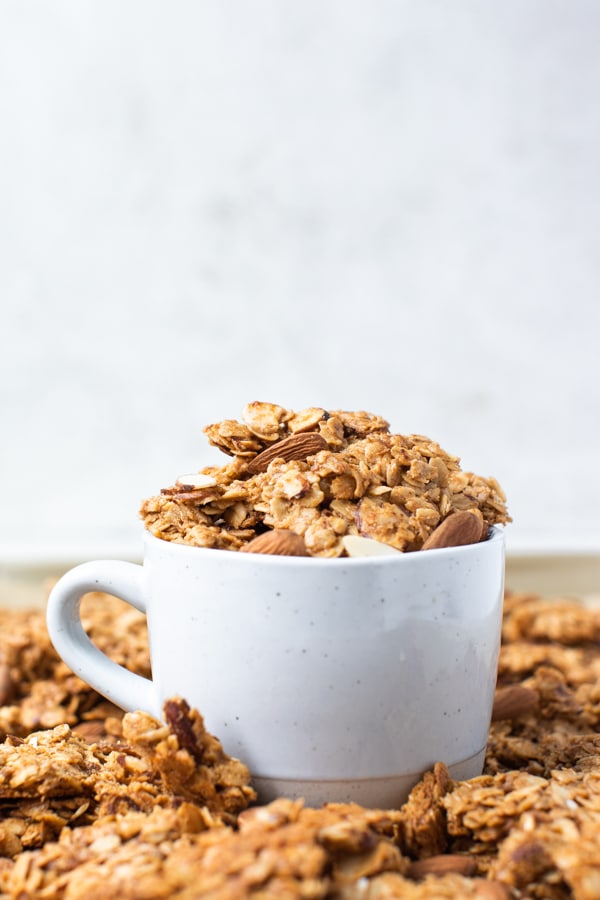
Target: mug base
<point>389,792</point>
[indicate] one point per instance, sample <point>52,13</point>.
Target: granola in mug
<point>301,482</point>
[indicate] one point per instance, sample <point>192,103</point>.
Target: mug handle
<point>63,620</point>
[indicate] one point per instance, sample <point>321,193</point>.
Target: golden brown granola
<point>40,691</point>
<point>155,809</point>
<point>393,488</point>
<point>281,850</point>
<point>55,777</point>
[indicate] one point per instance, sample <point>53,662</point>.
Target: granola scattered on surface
<point>104,803</point>
<point>364,481</point>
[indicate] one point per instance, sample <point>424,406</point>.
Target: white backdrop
<point>383,205</point>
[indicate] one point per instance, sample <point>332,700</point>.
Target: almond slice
<point>442,865</point>
<point>513,701</point>
<point>277,542</point>
<point>297,446</point>
<point>355,545</point>
<point>456,530</point>
<point>197,480</point>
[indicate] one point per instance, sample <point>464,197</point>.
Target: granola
<point>55,777</point>
<point>365,481</point>
<point>156,809</point>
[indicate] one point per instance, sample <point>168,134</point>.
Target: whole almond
<point>277,542</point>
<point>513,701</point>
<point>490,890</point>
<point>457,529</point>
<point>442,865</point>
<point>297,446</point>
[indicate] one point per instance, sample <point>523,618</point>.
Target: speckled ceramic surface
<point>331,679</point>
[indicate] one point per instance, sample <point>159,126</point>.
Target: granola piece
<point>266,421</point>
<point>391,886</point>
<point>553,858</point>
<point>486,808</point>
<point>233,438</point>
<point>292,480</point>
<point>385,522</point>
<point>359,424</point>
<point>471,491</point>
<point>423,825</point>
<point>536,619</point>
<point>486,811</point>
<point>218,537</point>
<point>307,420</point>
<point>27,824</point>
<point>520,659</point>
<point>45,693</point>
<point>340,477</point>
<point>280,850</point>
<point>189,761</point>
<point>332,429</point>
<point>345,841</point>
<point>118,856</point>
<point>239,516</point>
<point>171,519</point>
<point>290,496</point>
<point>50,763</point>
<point>323,536</point>
<point>155,764</point>
<point>197,495</point>
<point>159,763</point>
<point>556,699</point>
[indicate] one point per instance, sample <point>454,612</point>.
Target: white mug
<point>332,679</point>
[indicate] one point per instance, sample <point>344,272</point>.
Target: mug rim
<point>496,537</point>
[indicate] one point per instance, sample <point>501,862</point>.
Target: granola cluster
<point>321,475</point>
<point>97,803</point>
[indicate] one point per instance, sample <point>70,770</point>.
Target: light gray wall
<point>383,205</point>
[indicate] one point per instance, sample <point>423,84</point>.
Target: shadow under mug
<point>332,679</point>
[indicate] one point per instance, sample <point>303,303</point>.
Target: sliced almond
<point>457,529</point>
<point>355,545</point>
<point>297,446</point>
<point>442,865</point>
<point>513,701</point>
<point>277,542</point>
<point>196,480</point>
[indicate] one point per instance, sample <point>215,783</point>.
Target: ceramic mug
<point>332,679</point>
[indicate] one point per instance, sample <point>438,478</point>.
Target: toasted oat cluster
<point>298,482</point>
<point>95,803</point>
